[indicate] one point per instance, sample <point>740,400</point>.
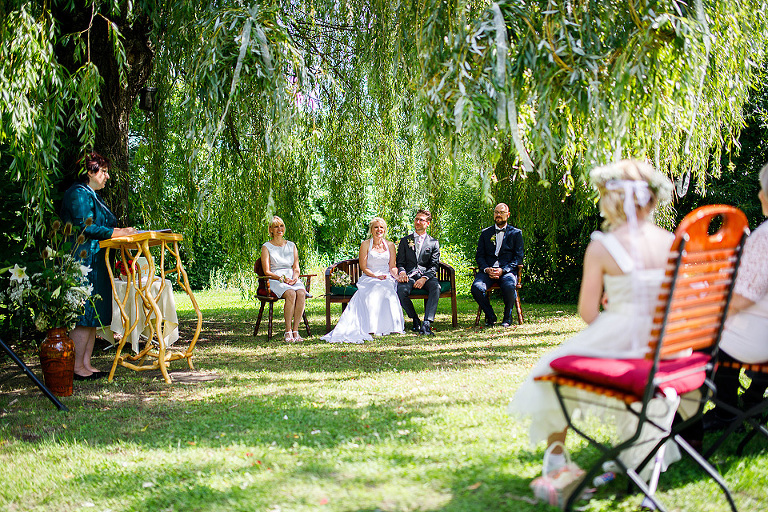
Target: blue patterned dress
<point>80,202</point>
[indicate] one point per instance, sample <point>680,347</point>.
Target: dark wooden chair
<point>688,319</point>
<point>333,295</point>
<point>265,296</point>
<point>495,286</point>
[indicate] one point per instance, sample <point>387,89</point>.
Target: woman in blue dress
<point>82,207</point>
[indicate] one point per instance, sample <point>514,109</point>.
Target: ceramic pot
<point>57,358</point>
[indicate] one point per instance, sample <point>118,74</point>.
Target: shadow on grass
<point>258,481</point>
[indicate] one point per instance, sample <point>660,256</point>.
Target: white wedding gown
<point>621,332</point>
<point>374,308</point>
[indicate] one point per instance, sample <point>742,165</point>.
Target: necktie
<point>499,231</point>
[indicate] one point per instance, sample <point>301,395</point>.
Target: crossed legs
<point>432,286</point>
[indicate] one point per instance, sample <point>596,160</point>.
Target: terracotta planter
<point>57,358</point>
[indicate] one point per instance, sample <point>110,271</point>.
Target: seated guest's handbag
<point>555,487</point>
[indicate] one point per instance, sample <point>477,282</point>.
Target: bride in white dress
<point>374,308</point>
<point>623,269</point>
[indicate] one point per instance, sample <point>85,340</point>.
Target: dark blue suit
<point>510,256</point>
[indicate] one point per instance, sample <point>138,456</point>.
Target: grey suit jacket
<point>422,265</point>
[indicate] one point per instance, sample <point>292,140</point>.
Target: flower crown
<point>658,183</point>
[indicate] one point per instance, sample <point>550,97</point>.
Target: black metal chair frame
<point>755,416</point>
<point>652,389</point>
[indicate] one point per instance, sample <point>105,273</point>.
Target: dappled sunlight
<point>404,422</point>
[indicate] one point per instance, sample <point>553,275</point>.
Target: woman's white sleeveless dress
<point>281,263</point>
<point>621,331</point>
<point>374,308</point>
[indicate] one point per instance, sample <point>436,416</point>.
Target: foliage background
<point>329,112</point>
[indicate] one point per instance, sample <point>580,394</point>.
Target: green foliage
<point>210,257</point>
<point>574,88</point>
<point>54,288</point>
<point>330,112</point>
<point>36,96</point>
<point>737,183</point>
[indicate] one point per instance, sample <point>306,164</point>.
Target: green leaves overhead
<point>580,83</point>
<point>337,109</point>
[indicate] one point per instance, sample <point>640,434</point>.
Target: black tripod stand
<point>33,377</point>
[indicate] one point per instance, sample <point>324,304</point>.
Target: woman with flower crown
<point>82,207</point>
<point>375,307</point>
<point>623,271</point>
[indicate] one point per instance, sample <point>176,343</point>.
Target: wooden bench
<point>334,295</point>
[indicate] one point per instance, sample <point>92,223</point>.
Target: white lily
<point>85,269</point>
<point>18,273</point>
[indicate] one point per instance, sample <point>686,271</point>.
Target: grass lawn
<point>403,423</point>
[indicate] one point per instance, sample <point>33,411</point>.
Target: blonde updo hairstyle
<point>374,221</point>
<point>612,199</point>
<point>273,223</point>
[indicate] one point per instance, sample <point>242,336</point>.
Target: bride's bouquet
<point>340,278</point>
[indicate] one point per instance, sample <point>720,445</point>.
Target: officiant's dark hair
<point>91,162</point>
<point>425,213</point>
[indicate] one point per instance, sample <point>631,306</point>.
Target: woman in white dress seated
<point>280,260</point>
<point>374,308</point>
<point>623,270</point>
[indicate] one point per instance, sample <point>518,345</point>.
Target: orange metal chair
<point>689,314</point>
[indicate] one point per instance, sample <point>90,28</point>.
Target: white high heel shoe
<point>297,336</point>
<point>289,337</point>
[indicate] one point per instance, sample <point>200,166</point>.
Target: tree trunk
<point>117,100</point>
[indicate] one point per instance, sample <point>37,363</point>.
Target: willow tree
<point>265,104</point>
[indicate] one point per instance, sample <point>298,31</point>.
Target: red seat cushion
<point>631,375</point>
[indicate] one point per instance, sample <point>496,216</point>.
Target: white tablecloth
<point>165,302</point>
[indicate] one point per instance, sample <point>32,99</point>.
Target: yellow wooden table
<point>154,354</point>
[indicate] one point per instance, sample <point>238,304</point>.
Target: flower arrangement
<point>120,268</point>
<point>55,288</point>
<point>340,278</point>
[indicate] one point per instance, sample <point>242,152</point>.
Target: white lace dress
<point>621,331</point>
<point>281,263</point>
<point>374,308</point>
<point>744,333</point>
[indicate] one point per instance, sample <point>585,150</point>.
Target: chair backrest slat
<point>712,309</point>
<point>700,273</point>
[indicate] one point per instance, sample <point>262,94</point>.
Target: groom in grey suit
<point>418,256</point>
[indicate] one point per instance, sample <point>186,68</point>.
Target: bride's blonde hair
<point>609,180</point>
<point>380,221</point>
